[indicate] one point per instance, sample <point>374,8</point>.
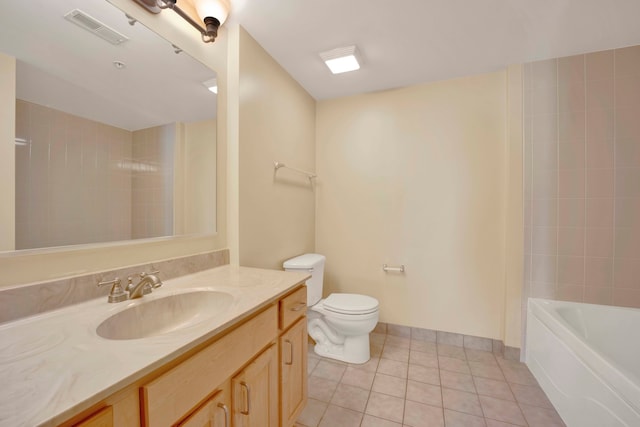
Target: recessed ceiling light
<point>341,59</point>
<point>211,84</point>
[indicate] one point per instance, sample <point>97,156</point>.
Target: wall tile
<point>627,242</point>
<point>600,95</point>
<point>627,153</point>
<point>545,101</point>
<point>627,61</point>
<point>571,184</point>
<point>627,92</point>
<point>571,97</point>
<point>597,295</point>
<point>599,212</point>
<point>570,293</point>
<point>599,242</point>
<point>626,297</point>
<point>571,69</point>
<point>571,155</point>
<point>599,155</point>
<point>544,73</point>
<point>544,268</point>
<point>544,129</point>
<point>571,127</point>
<point>627,272</point>
<point>600,183</point>
<point>545,184</point>
<point>599,65</point>
<point>544,240</point>
<point>627,124</point>
<point>571,270</point>
<point>627,212</point>
<point>545,155</point>
<point>571,241</point>
<point>571,212</point>
<point>626,181</point>
<point>599,272</point>
<point>545,212</point>
<point>600,125</point>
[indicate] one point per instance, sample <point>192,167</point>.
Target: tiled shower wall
<point>80,181</point>
<point>582,178</point>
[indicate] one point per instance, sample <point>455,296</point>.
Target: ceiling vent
<point>96,27</point>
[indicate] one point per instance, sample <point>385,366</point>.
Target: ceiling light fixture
<point>211,84</point>
<point>341,59</point>
<point>212,12</point>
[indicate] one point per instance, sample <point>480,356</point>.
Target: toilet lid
<point>350,304</point>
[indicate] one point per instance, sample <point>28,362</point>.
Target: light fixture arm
<point>209,33</point>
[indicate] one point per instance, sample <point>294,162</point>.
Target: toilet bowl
<point>339,324</point>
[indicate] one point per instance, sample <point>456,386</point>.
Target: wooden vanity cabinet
<point>293,355</point>
<point>251,376</point>
<point>255,392</point>
<point>215,412</point>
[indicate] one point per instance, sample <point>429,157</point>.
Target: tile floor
<point>418,383</point>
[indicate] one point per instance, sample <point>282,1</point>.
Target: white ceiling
<point>405,42</point>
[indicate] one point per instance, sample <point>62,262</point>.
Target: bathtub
<point>587,360</point>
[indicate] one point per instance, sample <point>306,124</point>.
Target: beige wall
<point>7,152</point>
<point>276,123</point>
<point>417,176</point>
<point>18,268</point>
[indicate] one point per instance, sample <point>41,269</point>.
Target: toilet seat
<point>351,304</point>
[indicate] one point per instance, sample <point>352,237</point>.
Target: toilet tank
<point>314,264</point>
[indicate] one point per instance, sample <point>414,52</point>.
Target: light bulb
<point>218,9</point>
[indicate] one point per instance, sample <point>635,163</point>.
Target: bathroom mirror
<point>115,127</point>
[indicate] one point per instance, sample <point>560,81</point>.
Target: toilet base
<point>355,349</point>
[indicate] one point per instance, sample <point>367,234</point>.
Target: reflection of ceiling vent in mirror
<point>96,27</point>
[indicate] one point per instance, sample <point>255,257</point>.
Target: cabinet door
<point>103,418</point>
<point>255,392</point>
<point>213,413</point>
<point>293,368</point>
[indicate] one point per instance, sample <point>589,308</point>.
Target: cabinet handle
<point>246,386</point>
<point>290,353</point>
<point>299,306</point>
<point>226,414</point>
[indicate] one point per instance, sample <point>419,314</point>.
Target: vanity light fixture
<point>341,59</point>
<point>213,13</point>
<point>212,85</point>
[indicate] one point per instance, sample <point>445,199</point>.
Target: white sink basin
<point>163,315</point>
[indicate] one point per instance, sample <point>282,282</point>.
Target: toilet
<point>339,324</point>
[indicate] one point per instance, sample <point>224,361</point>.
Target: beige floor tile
<point>458,419</point>
<point>531,395</point>
<point>493,388</point>
<point>480,356</point>
<point>370,366</point>
<point>398,330</point>
<point>519,375</point>
<point>430,360</point>
<point>377,337</point>
<point>486,370</point>
<point>312,413</point>
<point>541,417</point>
<point>424,374</point>
<point>457,381</point>
<point>321,388</point>
<point>336,416</point>
<point>357,377</point>
<point>329,370</point>
<point>350,397</point>
<point>369,421</point>
<point>398,341</point>
<point>424,346</point>
<point>424,393</point>
<point>420,415</point>
<point>384,406</point>
<point>375,350</point>
<point>387,384</point>
<point>461,401</point>
<point>393,368</point>
<point>395,353</point>
<point>453,364</point>
<point>502,410</point>
<point>451,351</point>
<point>494,423</point>
<point>312,362</point>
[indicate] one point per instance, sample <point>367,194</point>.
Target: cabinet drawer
<point>103,418</point>
<point>293,307</point>
<point>172,395</point>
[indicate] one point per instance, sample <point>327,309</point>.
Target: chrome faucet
<point>147,283</point>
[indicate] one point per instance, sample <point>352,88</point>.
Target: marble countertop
<point>54,365</point>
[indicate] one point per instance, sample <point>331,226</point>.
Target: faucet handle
<point>117,294</point>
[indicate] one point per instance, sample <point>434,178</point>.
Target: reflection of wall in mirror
<point>80,181</point>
